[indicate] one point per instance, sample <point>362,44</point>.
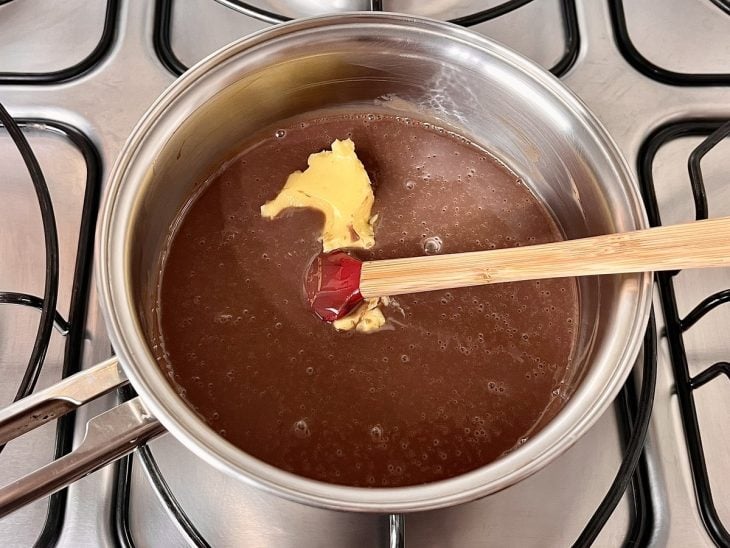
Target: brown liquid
<point>462,377</point>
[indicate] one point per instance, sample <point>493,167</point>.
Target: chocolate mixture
<point>457,378</point>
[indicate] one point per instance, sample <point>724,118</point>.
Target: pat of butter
<point>366,318</point>
<point>336,184</point>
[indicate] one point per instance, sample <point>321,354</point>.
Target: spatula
<point>336,282</point>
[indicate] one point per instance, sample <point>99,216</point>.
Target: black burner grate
<point>637,60</point>
<point>69,73</point>
<point>168,58</point>
<point>714,131</point>
<point>73,329</point>
<point>634,421</point>
<point>122,492</point>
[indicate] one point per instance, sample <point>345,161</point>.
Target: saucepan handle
<point>59,399</point>
<point>108,436</point>
<point>397,530</point>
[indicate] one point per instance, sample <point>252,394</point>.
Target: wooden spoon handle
<point>692,245</point>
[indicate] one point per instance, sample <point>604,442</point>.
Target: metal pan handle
<point>108,436</point>
<point>59,399</point>
<point>397,530</point>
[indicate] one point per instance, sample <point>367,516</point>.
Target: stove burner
<point>685,384</point>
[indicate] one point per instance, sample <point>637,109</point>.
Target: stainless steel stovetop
<point>79,74</point>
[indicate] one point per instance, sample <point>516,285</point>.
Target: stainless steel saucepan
<point>403,64</point>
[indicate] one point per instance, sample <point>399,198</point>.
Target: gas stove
<point>76,75</point>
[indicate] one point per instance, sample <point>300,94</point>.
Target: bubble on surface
<point>301,429</point>
<point>377,434</point>
<point>432,245</point>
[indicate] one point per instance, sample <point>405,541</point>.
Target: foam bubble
<point>301,428</point>
<point>432,245</point>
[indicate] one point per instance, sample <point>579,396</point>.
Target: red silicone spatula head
<point>332,284</point>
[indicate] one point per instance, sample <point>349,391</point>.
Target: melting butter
<point>336,184</point>
<point>366,318</point>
